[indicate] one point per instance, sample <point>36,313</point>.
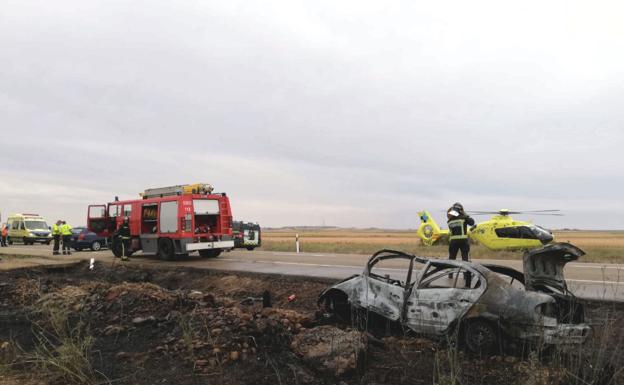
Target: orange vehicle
<point>169,221</point>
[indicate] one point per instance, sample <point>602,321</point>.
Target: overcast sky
<point>348,113</point>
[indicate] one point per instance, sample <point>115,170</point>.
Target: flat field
<point>600,246</point>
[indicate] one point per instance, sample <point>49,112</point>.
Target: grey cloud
<point>355,113</point>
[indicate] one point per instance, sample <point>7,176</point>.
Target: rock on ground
<point>335,349</point>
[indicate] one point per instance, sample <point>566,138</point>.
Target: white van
<point>28,229</point>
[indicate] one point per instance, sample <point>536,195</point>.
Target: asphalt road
<point>588,280</point>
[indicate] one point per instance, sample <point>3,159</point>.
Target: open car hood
<point>543,267</point>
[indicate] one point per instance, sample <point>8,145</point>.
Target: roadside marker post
<point>297,242</point>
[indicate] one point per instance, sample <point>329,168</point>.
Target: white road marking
<point>600,282</point>
<point>27,248</point>
<point>586,266</point>
<point>295,263</point>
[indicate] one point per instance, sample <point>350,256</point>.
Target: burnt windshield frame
<point>373,264</point>
<point>542,234</point>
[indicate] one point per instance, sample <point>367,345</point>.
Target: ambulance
<point>28,229</point>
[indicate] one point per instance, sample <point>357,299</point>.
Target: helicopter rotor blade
<point>540,211</point>
<point>478,212</point>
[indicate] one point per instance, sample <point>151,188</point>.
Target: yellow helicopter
<point>501,232</point>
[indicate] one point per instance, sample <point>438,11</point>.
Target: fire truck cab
<point>168,221</point>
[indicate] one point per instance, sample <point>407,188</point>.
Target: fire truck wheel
<point>213,253</point>
<point>116,248</point>
<point>166,250</point>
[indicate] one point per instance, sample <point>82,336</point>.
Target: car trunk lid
<point>543,267</point>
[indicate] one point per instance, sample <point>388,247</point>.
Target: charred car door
<point>383,290</point>
<point>442,296</point>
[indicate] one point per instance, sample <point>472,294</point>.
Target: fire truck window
<point>149,215</point>
<point>113,210</point>
<point>127,210</point>
<point>206,206</point>
<point>96,212</point>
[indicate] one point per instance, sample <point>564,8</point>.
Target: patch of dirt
<point>186,326</point>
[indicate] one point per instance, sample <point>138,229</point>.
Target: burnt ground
<point>124,325</point>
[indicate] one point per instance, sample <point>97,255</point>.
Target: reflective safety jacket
<point>5,231</point>
<point>56,230</point>
<point>458,227</point>
<point>66,229</point>
<point>124,231</point>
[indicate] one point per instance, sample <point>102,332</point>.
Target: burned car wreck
<point>484,305</point>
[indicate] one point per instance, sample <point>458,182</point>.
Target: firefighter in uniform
<point>66,233</point>
<point>56,234</point>
<point>123,235</point>
<point>458,222</point>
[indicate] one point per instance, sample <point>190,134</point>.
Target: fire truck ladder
<point>197,188</point>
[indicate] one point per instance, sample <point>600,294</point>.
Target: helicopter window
<point>522,232</point>
<point>527,233</point>
<point>508,232</point>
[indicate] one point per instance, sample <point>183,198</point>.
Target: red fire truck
<point>168,221</point>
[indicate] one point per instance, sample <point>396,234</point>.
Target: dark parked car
<point>82,238</point>
<point>488,303</point>
<point>247,235</point>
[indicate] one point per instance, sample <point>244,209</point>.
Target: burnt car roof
<point>390,254</point>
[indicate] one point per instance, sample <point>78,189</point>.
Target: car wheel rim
<point>480,336</point>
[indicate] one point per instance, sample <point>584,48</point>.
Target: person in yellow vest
<point>56,234</point>
<point>66,233</point>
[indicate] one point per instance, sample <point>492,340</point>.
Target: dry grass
<point>600,246</point>
<point>607,239</point>
<point>63,352</point>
